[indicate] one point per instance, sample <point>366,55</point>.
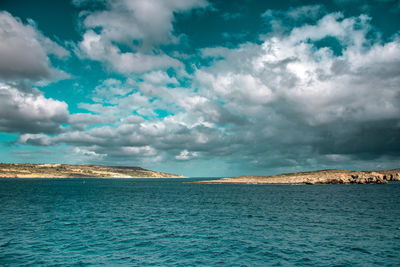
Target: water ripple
<point>162,223</point>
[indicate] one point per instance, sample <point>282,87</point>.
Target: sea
<point>170,222</point>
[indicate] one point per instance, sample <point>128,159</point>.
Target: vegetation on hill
<point>13,170</point>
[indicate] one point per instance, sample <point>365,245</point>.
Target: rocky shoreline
<point>14,170</point>
<point>316,177</point>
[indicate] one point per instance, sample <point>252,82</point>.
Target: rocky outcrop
<point>317,177</point>
<point>349,178</point>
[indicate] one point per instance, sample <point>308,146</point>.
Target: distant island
<point>316,177</point>
<point>14,170</point>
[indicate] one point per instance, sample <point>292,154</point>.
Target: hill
<point>14,170</point>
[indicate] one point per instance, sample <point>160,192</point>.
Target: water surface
<point>170,222</point>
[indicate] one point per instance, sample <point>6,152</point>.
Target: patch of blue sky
<point>145,117</point>
<point>8,137</point>
<point>18,153</point>
<point>332,43</point>
<point>60,22</point>
<point>162,113</point>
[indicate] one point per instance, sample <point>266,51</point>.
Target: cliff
<point>317,177</point>
<point>78,171</point>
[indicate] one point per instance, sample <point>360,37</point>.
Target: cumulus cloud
<point>35,139</point>
<point>30,111</point>
<point>137,139</point>
<point>85,155</point>
<point>111,90</point>
<point>139,26</point>
<point>24,51</point>
<point>124,62</point>
<point>306,95</point>
<point>315,95</point>
<point>186,155</point>
<point>159,77</point>
<point>81,121</point>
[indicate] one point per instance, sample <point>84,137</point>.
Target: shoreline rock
<point>316,177</point>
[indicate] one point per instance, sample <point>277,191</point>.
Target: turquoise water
<point>169,222</point>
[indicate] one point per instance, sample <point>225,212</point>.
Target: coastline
<point>51,171</point>
<point>315,177</point>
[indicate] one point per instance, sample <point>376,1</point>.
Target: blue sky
<point>201,88</point>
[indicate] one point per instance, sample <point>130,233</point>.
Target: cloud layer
<point>270,103</point>
<point>317,90</point>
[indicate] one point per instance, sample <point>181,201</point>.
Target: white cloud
<point>110,90</point>
<point>159,77</point>
<point>35,139</point>
<point>96,48</point>
<point>149,21</point>
<point>236,87</point>
<point>186,155</point>
<point>144,151</point>
<point>30,112</point>
<point>140,26</point>
<point>316,83</point>
<point>301,95</point>
<point>85,155</point>
<point>81,121</point>
<point>24,51</point>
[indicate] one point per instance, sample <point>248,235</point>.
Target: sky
<point>201,87</point>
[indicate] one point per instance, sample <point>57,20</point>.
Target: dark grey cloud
<point>24,51</point>
<point>371,139</point>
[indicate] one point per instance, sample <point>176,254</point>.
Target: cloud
<point>300,95</point>
<point>112,89</point>
<point>159,77</point>
<point>35,139</point>
<point>284,20</point>
<point>96,48</point>
<point>135,138</point>
<point>229,87</point>
<point>315,95</point>
<point>81,121</point>
<point>30,112</point>
<point>148,22</point>
<point>296,13</point>
<point>186,155</point>
<point>392,6</point>
<point>85,155</point>
<point>138,26</point>
<point>24,51</point>
<point>82,3</point>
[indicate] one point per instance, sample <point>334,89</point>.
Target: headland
<point>316,177</point>
<point>14,170</point>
